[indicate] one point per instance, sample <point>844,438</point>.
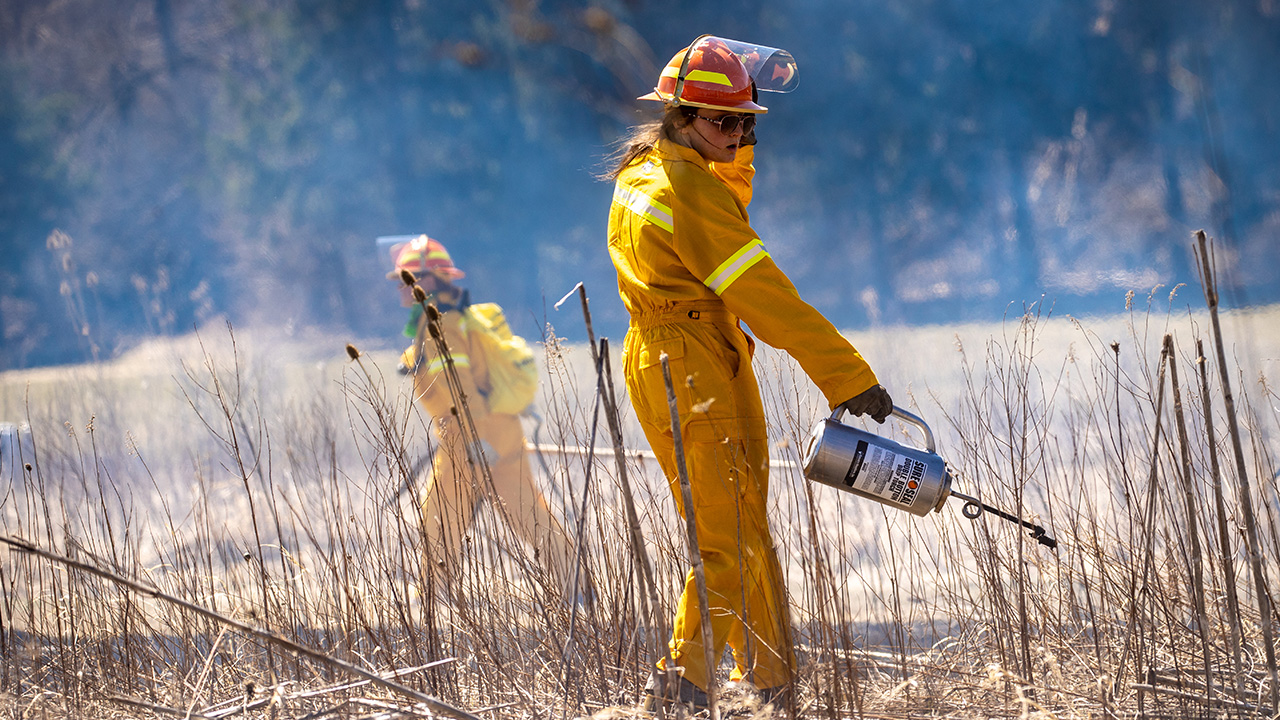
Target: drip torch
<point>889,472</point>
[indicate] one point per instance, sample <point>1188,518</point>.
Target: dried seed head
<point>433,313</point>
<point>434,329</point>
<point>352,352</point>
<point>419,295</point>
<point>407,278</point>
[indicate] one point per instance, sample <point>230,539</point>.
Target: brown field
<point>258,478</point>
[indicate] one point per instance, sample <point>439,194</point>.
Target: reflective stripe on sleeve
<point>437,365</point>
<point>731,269</point>
<point>643,205</point>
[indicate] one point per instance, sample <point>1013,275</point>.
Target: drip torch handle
<point>904,415</point>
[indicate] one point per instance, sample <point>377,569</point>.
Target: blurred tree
<point>34,189</point>
<point>941,160</point>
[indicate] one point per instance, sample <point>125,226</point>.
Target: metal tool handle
<point>904,415</point>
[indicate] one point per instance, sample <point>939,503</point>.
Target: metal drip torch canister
<point>878,468</point>
<point>889,472</point>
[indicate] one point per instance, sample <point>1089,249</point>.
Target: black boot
<point>657,690</point>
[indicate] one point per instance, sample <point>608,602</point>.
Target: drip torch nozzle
<point>973,508</point>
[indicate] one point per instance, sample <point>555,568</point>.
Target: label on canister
<point>885,474</point>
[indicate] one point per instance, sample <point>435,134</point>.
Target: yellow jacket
<point>429,385</point>
<point>678,234</point>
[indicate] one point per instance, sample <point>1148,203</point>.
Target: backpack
<point>513,372</point>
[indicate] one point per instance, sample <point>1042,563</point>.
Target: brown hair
<point>642,138</point>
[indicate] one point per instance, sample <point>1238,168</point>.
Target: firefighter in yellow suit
<point>456,486</point>
<point>690,272</point>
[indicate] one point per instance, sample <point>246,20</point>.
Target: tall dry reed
<point>283,497</point>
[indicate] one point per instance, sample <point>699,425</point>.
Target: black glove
<point>874,401</point>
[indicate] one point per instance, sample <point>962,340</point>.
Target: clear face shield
<point>772,69</point>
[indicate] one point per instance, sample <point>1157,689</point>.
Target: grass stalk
<point>657,623</point>
<point>691,534</point>
<point>262,634</point>
<point>1140,588</point>
<point>1225,546</point>
<point>1253,544</point>
<point>1191,509</point>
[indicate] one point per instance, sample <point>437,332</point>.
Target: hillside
<point>168,163</point>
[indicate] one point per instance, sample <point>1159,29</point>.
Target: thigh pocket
<point>651,388</point>
<point>650,354</point>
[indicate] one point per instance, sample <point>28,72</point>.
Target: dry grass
<point>262,482</point>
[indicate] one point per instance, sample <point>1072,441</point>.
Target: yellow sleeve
<point>717,245</point>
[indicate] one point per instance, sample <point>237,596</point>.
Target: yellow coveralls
<point>689,269</point>
<point>456,487</point>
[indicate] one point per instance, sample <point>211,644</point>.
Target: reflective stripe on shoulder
<point>643,205</point>
<point>738,263</point>
<point>437,365</point>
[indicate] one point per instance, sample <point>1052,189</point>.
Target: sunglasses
<point>728,123</point>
